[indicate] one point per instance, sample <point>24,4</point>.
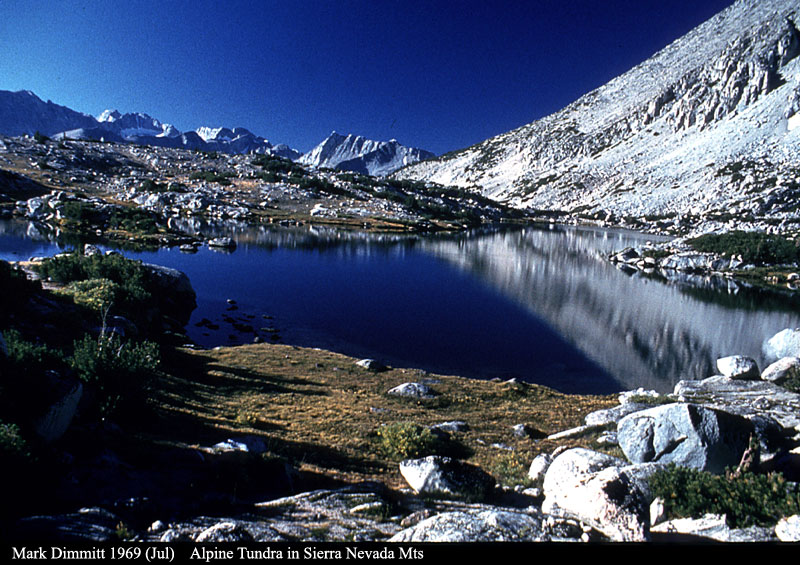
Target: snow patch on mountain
<point>24,113</point>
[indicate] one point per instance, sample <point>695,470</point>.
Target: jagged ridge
<point>24,113</point>
<point>356,153</point>
<point>706,125</point>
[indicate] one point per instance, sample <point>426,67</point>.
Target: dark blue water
<point>402,306</point>
<point>540,304</point>
<point>386,300</point>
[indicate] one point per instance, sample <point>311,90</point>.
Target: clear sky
<point>435,74</point>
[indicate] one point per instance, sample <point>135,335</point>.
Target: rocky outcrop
<point>175,295</point>
<point>745,398</point>
<point>412,390</point>
<point>595,489</point>
<point>713,527</point>
<point>58,417</point>
<point>685,434</point>
<point>478,526</point>
<point>785,343</point>
<point>437,475</point>
<point>788,529</point>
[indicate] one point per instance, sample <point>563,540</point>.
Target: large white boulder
<point>594,488</point>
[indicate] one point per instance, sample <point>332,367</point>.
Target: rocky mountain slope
<point>361,155</point>
<point>706,129</point>
<point>24,113</point>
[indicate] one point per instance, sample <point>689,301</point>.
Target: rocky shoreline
<point>572,493</point>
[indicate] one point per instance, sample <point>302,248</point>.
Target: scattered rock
<point>738,367</point>
<point>579,431</point>
<point>593,488</point>
<point>526,431</point>
<point>372,365</point>
<point>416,517</point>
<point>685,434</point>
<point>454,426</point>
<point>613,415</point>
<point>785,343</point>
<point>538,469</point>
<point>89,250</point>
<point>157,526</point>
<point>222,242</point>
<point>247,444</point>
<point>608,438</point>
<point>413,390</point>
<point>782,370</point>
<point>658,512</point>
<point>713,526</point>
<point>476,526</point>
<point>443,475</point>
<point>745,398</point>
<point>224,532</point>
<point>788,529</point>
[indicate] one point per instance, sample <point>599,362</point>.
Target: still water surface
<point>539,304</point>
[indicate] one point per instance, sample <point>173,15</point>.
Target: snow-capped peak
<point>109,116</point>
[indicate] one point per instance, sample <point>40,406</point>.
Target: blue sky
<point>440,75</point>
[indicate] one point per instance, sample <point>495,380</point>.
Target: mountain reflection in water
<point>539,304</point>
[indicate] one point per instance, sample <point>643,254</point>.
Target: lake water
<point>539,304</point>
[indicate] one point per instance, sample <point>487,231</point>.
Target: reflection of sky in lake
<point>484,304</point>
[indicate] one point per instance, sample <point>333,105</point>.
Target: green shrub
<point>651,400</point>
<point>130,275</point>
<point>408,440</point>
<point>748,500</point>
<point>512,468</point>
<point>792,384</point>
<point>211,176</point>
<point>322,185</point>
<point>29,357</point>
<point>149,185</point>
<point>16,457</point>
<point>12,444</point>
<point>120,371</point>
<point>275,164</point>
<point>134,220</point>
<point>95,294</point>
<point>24,385</point>
<point>754,247</point>
<point>81,212</point>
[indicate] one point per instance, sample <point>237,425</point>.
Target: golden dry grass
<point>321,411</point>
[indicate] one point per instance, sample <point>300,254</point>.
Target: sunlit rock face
<point>707,124</point>
<point>362,155</point>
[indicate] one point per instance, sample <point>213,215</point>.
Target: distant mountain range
<point>709,125</point>
<point>25,113</point>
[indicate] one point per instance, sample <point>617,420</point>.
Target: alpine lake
<point>538,303</point>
